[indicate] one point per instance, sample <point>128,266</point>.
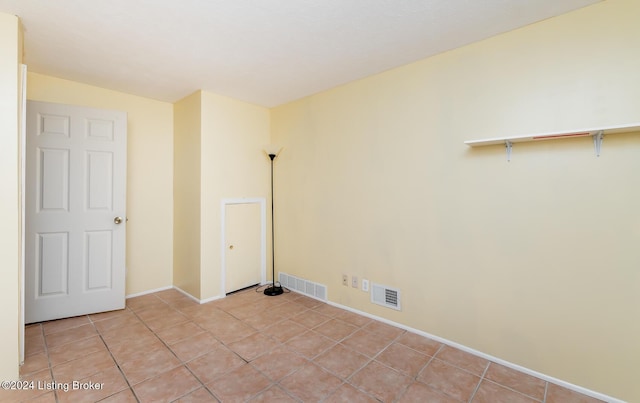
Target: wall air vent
<point>385,296</point>
<point>303,286</point>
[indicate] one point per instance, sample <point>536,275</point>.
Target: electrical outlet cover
<point>354,282</point>
<point>365,285</point>
<point>345,279</point>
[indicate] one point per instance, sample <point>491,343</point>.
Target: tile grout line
<point>46,351</point>
<point>273,383</point>
<point>312,359</point>
<point>481,379</point>
<point>433,357</point>
<point>484,378</point>
<point>372,359</point>
<point>114,360</point>
<point>514,390</point>
<point>154,333</point>
<point>46,348</point>
<point>168,348</point>
<point>452,365</point>
<point>135,395</point>
<point>184,364</point>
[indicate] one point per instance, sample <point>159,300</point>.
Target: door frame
<point>263,237</point>
<point>23,207</point>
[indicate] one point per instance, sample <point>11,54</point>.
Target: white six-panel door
<point>75,211</point>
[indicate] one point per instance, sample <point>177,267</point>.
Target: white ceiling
<point>267,52</point>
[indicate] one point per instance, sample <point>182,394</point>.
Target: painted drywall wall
<point>234,165</point>
<point>218,155</point>
<point>149,174</point>
<point>9,199</point>
<point>534,261</point>
<point>187,182</point>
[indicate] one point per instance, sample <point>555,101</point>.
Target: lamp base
<point>273,290</point>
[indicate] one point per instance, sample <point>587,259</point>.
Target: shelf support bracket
<point>509,147</point>
<point>597,141</point>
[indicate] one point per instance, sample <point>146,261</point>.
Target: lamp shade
<point>272,149</point>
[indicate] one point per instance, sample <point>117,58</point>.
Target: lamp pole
<point>273,290</point>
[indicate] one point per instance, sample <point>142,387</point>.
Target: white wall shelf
<point>597,134</point>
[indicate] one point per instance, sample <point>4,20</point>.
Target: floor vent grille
<point>385,296</point>
<point>303,286</point>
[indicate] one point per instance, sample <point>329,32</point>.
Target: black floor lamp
<point>272,151</point>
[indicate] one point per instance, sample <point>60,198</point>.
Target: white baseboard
<point>139,294</point>
<point>180,290</point>
<point>186,294</point>
<point>200,301</point>
<point>497,360</point>
<point>204,301</point>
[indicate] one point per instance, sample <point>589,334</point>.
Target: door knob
<point>117,220</point>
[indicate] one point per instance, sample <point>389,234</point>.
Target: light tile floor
<point>249,347</point>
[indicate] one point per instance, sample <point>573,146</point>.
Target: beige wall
<point>533,261</point>
<point>9,201</point>
<point>234,165</point>
<point>218,155</point>
<point>149,174</point>
<point>186,179</point>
